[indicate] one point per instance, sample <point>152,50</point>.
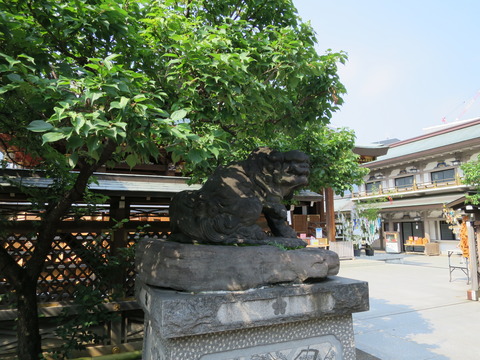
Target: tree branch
<point>9,268</point>
<point>59,45</point>
<point>56,211</point>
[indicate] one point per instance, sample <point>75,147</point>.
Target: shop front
<point>419,223</point>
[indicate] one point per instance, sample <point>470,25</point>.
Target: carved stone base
<point>282,322</point>
<point>188,267</point>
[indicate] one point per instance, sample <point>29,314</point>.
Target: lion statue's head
<point>282,172</point>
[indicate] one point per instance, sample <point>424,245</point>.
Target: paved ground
<point>415,313</point>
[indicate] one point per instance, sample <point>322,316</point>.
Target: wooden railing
<point>396,190</point>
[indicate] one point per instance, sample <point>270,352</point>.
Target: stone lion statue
<point>225,210</point>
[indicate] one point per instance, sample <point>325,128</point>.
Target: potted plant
<point>357,249</point>
<point>369,250</point>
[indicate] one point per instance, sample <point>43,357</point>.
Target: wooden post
<point>119,210</point>
<point>320,209</point>
<point>330,214</point>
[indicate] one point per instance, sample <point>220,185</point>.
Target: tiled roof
<point>155,186</point>
<point>446,137</point>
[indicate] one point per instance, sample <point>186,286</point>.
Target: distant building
<point>371,152</point>
<point>414,179</point>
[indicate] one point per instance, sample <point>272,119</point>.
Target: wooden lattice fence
<point>65,266</point>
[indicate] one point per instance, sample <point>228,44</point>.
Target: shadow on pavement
<point>362,355</point>
<point>385,333</point>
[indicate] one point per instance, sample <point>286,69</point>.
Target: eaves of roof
<point>421,202</point>
<point>308,195</point>
<point>371,150</point>
<point>116,184</point>
<point>446,140</point>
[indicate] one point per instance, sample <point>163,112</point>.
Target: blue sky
<point>413,64</point>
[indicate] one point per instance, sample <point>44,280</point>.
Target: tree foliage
<point>471,173</point>
<point>86,83</point>
<point>333,163</point>
<point>200,78</point>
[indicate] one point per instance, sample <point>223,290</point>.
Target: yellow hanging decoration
<point>458,224</point>
<point>463,245</point>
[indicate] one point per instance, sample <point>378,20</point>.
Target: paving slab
<point>415,313</point>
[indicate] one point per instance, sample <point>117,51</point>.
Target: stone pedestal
<point>206,302</point>
<point>293,322</point>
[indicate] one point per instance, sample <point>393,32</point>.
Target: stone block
<point>188,267</point>
<point>308,321</point>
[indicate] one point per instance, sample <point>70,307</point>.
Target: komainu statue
<point>226,209</point>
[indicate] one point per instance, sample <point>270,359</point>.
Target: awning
<point>117,184</point>
<point>308,195</point>
<point>462,203</point>
<point>424,202</point>
<point>343,205</point>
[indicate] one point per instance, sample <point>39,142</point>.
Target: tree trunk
<point>24,279</point>
<point>28,332</point>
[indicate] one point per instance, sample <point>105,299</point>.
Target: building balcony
<point>415,189</point>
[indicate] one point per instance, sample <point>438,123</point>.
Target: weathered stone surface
<point>226,209</point>
<point>329,338</point>
<point>188,267</point>
<point>180,314</point>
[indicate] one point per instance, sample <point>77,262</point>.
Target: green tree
<point>333,163</point>
<point>471,176</point>
<point>86,83</point>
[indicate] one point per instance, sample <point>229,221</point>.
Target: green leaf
<point>131,160</point>
<point>73,159</point>
<point>52,137</point>
<point>93,143</point>
<point>11,61</point>
<point>120,104</point>
<point>178,115</point>
<point>214,151</point>
<point>177,133</point>
<point>28,58</point>
<point>195,155</point>
<point>78,121</point>
<point>74,142</point>
<point>112,57</point>
<point>94,96</point>
<point>176,156</point>
<point>14,78</point>
<point>7,88</point>
<point>124,102</point>
<point>139,98</point>
<point>115,105</point>
<point>122,125</point>
<point>39,126</point>
<point>59,111</point>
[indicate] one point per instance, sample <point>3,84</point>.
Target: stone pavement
<point>415,313</point>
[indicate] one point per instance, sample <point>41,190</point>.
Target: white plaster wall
<point>447,245</point>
